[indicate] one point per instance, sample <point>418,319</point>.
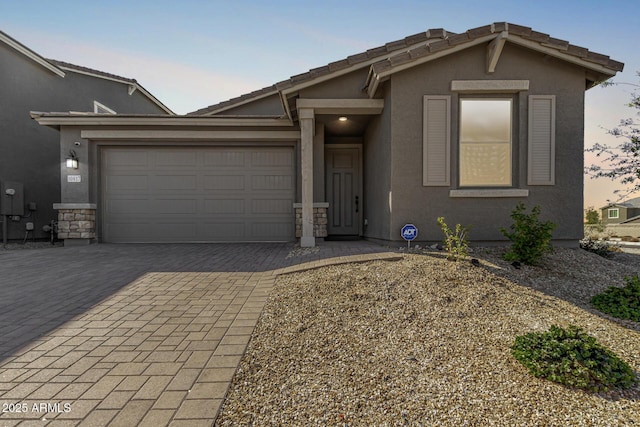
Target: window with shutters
<point>490,118</point>
<point>486,142</point>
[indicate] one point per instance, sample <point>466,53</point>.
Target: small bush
<point>623,303</point>
<point>573,358</point>
<point>530,237</point>
<point>455,242</point>
<point>597,247</point>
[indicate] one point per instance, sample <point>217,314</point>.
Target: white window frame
<point>611,211</point>
<point>99,106</point>
<point>510,142</point>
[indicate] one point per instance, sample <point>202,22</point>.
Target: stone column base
<point>76,222</point>
<point>319,219</point>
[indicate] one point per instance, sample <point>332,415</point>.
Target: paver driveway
<point>133,334</point>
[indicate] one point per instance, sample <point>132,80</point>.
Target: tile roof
<point>86,70</point>
<point>349,62</point>
<point>416,46</point>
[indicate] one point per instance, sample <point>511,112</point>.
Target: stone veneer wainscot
<point>319,219</point>
<point>76,220</point>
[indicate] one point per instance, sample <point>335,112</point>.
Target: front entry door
<point>343,178</point>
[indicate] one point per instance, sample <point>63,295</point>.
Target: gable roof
<point>631,203</point>
<point>59,68</point>
<point>15,44</point>
<point>419,48</point>
<point>334,69</point>
<point>133,83</point>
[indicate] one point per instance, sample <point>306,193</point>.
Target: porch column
<point>306,118</point>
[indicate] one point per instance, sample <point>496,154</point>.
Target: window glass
<point>485,142</point>
<point>614,213</point>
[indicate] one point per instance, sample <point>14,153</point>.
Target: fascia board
<point>380,77</point>
<point>559,54</point>
<point>46,119</point>
<point>31,54</point>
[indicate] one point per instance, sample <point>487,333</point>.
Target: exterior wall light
<point>342,119</point>
<point>72,160</point>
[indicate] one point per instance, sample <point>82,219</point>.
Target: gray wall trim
<point>315,205</point>
<point>191,134</point>
<point>489,193</point>
<point>493,86</point>
<point>58,206</point>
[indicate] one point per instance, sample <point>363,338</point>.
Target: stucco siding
<point>377,173</point>
<point>268,106</point>
<point>348,86</point>
<point>30,153</point>
<point>562,202</point>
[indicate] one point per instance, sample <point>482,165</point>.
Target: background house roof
<point>413,48</point>
<point>59,68</point>
<point>133,83</point>
<point>631,203</point>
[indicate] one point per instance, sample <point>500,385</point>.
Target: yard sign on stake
<point>409,232</point>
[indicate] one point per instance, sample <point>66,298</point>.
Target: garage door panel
<point>174,231</point>
<point>114,207</point>
<point>269,206</point>
<point>269,230</point>
<point>272,182</point>
<point>208,194</point>
<point>225,158</point>
<point>176,158</point>
<point>224,206</point>
<point>174,182</point>
<point>224,231</point>
<point>271,158</point>
<point>127,182</point>
<point>175,206</point>
<point>224,182</point>
<point>126,159</point>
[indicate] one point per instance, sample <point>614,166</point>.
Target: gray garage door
<point>197,194</point>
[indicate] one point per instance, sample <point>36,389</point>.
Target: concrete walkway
<point>126,335</point>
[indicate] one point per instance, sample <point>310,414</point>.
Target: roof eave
<point>132,84</point>
<point>81,119</point>
<point>30,54</point>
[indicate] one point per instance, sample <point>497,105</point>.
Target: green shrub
<point>455,242</point>
<point>573,358</point>
<point>530,238</point>
<point>597,247</point>
<point>623,303</point>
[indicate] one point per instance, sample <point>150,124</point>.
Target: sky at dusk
<point>191,54</point>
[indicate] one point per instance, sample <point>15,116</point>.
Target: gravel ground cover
<point>425,341</point>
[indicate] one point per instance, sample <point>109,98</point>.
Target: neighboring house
<point>463,126</point>
<point>627,212</point>
<point>29,153</point>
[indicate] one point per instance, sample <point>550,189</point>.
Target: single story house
<point>29,153</point>
<point>463,126</point>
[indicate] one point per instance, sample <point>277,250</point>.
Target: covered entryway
<point>197,194</point>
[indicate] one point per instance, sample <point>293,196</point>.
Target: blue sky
<point>191,53</point>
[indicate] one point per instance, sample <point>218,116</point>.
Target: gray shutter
<point>436,145</point>
<point>542,140</point>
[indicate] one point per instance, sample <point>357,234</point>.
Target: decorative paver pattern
<point>120,342</point>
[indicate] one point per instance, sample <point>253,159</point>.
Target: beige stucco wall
<point>348,86</point>
<point>267,106</point>
<point>377,173</point>
<point>421,206</point>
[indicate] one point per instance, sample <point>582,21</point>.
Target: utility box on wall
<point>11,198</point>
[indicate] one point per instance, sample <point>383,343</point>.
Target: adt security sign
<point>409,232</point>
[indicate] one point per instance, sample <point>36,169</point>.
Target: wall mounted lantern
<point>72,160</point>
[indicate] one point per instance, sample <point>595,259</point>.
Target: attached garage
<point>197,194</point>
